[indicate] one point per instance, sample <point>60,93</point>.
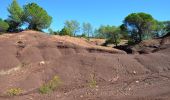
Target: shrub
<point>14,91</point>
<point>65,31</point>
<point>44,89</point>
<point>93,82</point>
<point>50,86</point>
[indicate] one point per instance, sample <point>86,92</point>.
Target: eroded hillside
<point>87,72</point>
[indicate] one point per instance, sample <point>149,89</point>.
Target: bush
<point>3,26</point>
<point>65,31</point>
<point>44,89</point>
<point>50,86</point>
<point>113,40</point>
<point>14,91</point>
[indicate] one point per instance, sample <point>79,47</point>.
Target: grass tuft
<point>50,86</point>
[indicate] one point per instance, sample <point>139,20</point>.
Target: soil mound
<point>87,72</point>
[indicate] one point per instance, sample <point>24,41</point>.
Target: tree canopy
<point>135,27</point>
<point>65,31</point>
<point>15,19</point>
<point>141,24</point>
<point>87,29</point>
<point>36,17</point>
<point>111,33</point>
<point>3,26</point>
<point>73,26</point>
<point>167,26</point>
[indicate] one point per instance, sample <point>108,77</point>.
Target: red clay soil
<point>30,59</point>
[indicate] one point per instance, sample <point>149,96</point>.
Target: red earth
<point>30,59</point>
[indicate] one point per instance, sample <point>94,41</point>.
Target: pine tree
<point>15,19</point>
<point>36,17</point>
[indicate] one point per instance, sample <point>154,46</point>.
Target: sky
<point>97,12</point>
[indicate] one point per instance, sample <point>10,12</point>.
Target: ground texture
<point>88,72</point>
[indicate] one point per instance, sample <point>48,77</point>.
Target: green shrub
<point>50,86</point>
<point>14,91</point>
<point>44,89</point>
<point>65,31</point>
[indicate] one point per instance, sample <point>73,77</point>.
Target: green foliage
<point>73,26</point>
<point>36,17</point>
<point>131,42</point>
<point>16,12</point>
<point>84,36</point>
<point>3,26</point>
<point>51,32</point>
<point>87,29</point>
<point>160,29</point>
<point>65,31</point>
<point>114,38</point>
<point>13,26</point>
<point>140,23</point>
<point>50,86</point>
<point>101,32</point>
<point>111,33</point>
<point>124,32</point>
<point>15,19</point>
<point>56,32</point>
<point>45,89</point>
<point>14,91</point>
<point>167,26</point>
<point>105,31</point>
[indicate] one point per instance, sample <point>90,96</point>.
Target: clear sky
<point>97,12</point>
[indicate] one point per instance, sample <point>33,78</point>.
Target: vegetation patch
<point>50,86</point>
<point>14,91</point>
<point>92,82</point>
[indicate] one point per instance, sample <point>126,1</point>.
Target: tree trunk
<point>140,37</point>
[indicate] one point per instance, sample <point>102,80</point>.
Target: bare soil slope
<point>30,59</point>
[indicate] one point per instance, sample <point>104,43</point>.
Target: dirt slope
<point>30,59</point>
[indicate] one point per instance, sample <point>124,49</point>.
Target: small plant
<point>44,89</point>
<point>93,82</point>
<point>14,91</point>
<point>50,86</point>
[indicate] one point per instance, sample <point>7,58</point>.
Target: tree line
<point>136,27</point>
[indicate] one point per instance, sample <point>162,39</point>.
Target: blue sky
<point>97,12</point>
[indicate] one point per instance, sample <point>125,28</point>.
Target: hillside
<point>87,72</point>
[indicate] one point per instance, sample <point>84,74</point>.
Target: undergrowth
<point>14,91</point>
<point>50,86</point>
